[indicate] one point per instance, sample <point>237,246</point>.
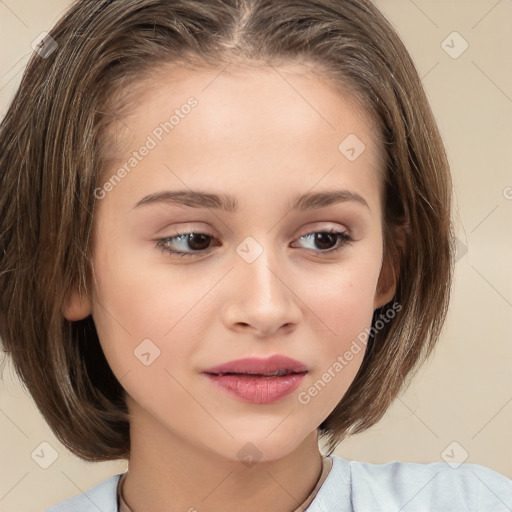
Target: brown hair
<point>53,148</point>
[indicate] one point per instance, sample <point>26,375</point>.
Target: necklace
<point>326,467</point>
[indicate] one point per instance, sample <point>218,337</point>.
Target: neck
<point>168,474</point>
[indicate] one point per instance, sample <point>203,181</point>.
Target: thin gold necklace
<point>326,467</point>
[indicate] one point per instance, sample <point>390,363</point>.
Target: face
<point>184,283</point>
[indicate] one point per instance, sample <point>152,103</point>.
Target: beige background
<point>460,403</point>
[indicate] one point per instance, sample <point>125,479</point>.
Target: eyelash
<point>161,243</point>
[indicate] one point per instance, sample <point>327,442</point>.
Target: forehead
<point>270,120</point>
<point>290,99</point>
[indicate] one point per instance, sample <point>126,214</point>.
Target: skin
<point>263,135</point>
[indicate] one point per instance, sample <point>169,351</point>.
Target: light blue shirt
<point>353,486</point>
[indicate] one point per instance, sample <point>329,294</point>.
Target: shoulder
<point>409,486</point>
<point>101,497</point>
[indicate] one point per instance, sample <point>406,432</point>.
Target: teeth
<point>279,373</point>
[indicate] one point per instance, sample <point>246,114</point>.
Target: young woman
<point>225,236</point>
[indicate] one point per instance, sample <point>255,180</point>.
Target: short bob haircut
<point>56,142</point>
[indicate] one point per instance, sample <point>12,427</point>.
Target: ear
<point>390,270</point>
<point>386,285</point>
<point>76,306</point>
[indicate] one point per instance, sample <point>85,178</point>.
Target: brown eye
<point>326,241</point>
<point>198,241</point>
<point>185,244</point>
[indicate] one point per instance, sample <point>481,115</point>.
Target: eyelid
<point>322,227</point>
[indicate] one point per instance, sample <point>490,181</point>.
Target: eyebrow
<point>228,203</point>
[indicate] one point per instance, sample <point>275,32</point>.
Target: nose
<point>261,299</point>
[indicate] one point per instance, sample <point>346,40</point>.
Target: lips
<point>274,366</point>
<point>256,380</point>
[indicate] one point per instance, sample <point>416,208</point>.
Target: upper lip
<point>276,364</point>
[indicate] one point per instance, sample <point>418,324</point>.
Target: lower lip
<point>258,390</point>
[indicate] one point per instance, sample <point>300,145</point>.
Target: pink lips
<point>256,380</point>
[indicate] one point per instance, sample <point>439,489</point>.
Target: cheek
<point>342,299</point>
<point>342,303</point>
<point>142,300</point>
<point>140,309</point>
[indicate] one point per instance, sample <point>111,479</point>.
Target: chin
<point>259,446</point>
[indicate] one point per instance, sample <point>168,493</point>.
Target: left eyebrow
<point>311,201</point>
<point>226,202</point>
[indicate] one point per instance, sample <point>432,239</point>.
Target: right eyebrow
<point>193,199</point>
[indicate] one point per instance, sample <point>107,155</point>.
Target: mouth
<point>256,380</point>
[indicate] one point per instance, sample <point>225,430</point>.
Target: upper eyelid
<point>318,226</point>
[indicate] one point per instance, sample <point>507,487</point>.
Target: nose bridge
<point>262,299</point>
<point>259,267</point>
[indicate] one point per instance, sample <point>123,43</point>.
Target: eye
<point>328,241</point>
<point>190,244</point>
<point>197,243</point>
